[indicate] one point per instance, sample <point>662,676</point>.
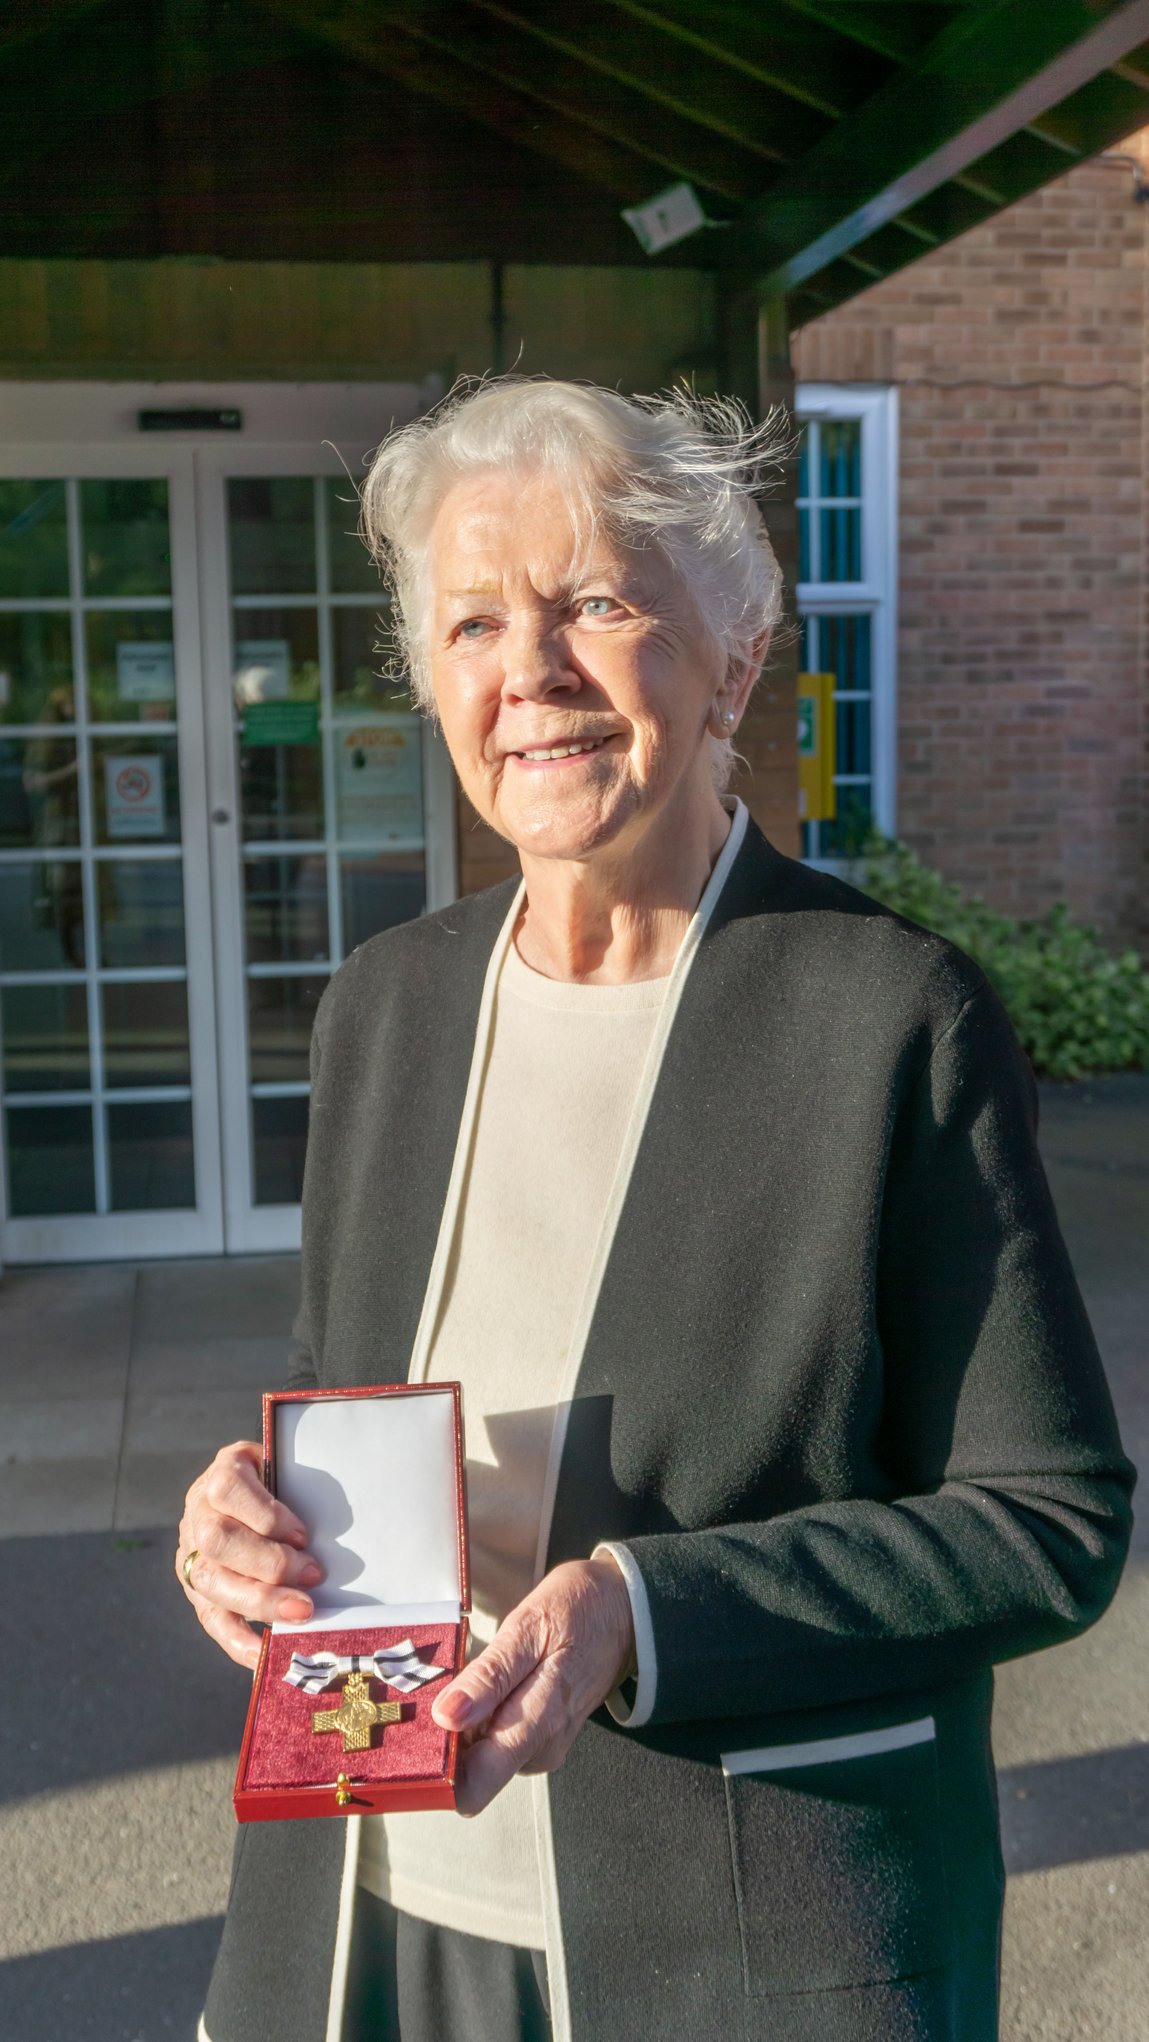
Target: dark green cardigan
<point>841,1400</point>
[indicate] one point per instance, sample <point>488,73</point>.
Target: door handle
<point>220,815</point>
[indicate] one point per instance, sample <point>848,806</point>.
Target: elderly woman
<point>715,1185</point>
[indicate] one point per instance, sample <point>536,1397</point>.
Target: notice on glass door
<point>134,796</point>
<point>379,782</point>
<point>146,670</point>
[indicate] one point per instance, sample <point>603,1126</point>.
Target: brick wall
<point>1019,354</point>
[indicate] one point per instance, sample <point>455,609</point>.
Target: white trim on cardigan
<point>783,1758</point>
<point>632,1715</point>
<point>433,1295</point>
<point>428,1318</point>
<point>556,1954</point>
<point>341,1957</point>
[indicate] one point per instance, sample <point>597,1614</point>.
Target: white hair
<point>676,471</point>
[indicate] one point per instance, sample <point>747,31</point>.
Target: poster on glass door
<point>134,796</point>
<point>379,781</point>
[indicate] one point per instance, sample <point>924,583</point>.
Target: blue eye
<point>597,606</point>
<point>472,627</point>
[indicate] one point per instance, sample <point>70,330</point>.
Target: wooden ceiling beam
<point>678,81</point>
<point>799,58</point>
<point>377,36</point>
<point>897,31</point>
<point>491,40</point>
<point>999,65</point>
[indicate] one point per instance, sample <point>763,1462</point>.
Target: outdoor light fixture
<point>668,217</point>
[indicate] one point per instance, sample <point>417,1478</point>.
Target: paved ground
<point>117,1745</point>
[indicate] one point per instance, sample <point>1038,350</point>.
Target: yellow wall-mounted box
<point>817,794</point>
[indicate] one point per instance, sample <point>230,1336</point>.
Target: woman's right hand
<point>252,1563</point>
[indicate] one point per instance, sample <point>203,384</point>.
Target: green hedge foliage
<point>1075,1007</point>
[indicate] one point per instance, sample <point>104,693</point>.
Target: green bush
<point>1075,1007</point>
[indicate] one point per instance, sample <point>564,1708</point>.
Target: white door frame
<point>199,1230</point>
<point>91,429</point>
<point>251,1228</point>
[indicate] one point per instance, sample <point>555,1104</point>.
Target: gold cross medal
<point>357,1715</point>
<point>396,1666</point>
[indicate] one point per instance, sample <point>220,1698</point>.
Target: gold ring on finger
<point>189,1562</point>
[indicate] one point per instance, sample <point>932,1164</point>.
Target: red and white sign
<point>134,793</point>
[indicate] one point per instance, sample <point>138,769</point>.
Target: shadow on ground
<point>1065,1811</point>
<point>128,1989</point>
<point>138,1684</point>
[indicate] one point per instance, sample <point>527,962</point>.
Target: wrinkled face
<point>574,696</point>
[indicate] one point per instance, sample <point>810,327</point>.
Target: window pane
<point>276,659</point>
<point>39,791</point>
<point>146,1034</point>
<point>377,893</point>
<point>42,916</point>
<point>136,790</point>
<point>141,912</point>
<point>124,533</point>
<point>33,539</point>
<point>279,1143</point>
<point>271,522</point>
<point>285,909</point>
<point>277,706</point>
<point>845,649</point>
<point>282,792</point>
<point>364,647</point>
<point>805,436</point>
<point>50,1162</point>
<point>379,781</point>
<point>840,457</point>
<point>45,1032</point>
<point>131,666</point>
<point>280,1017</point>
<point>36,667</point>
<point>150,1159</point>
<point>840,542</point>
<point>853,741</point>
<point>352,567</point>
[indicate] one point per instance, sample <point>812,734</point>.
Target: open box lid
<point>377,1477</point>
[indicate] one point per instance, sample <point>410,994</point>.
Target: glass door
<point>333,805</point>
<point>107,1043</point>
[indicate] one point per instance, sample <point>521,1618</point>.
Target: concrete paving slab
<point>255,1361</point>
<point>115,1807</point>
<point>137,1988</point>
<point>196,1419</point>
<point>220,1298</point>
<point>1071,1728</point>
<point>1074,1967</point>
<point>65,1333</point>
<point>59,1429</point>
<point>49,1496</point>
<point>152,1487</point>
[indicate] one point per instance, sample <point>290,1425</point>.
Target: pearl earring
<point>728,716</point>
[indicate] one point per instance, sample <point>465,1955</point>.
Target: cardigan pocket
<point>837,1860</point>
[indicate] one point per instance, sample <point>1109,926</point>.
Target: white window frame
<point>876,594</point>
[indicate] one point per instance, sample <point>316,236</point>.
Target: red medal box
<point>377,1476</point>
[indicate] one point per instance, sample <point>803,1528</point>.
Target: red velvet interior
<point>286,1752</point>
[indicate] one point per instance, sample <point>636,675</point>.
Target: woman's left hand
<point>557,1656</point>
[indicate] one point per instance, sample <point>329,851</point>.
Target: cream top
<point>563,1069</point>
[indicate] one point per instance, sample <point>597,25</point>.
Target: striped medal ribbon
<point>398,1666</point>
